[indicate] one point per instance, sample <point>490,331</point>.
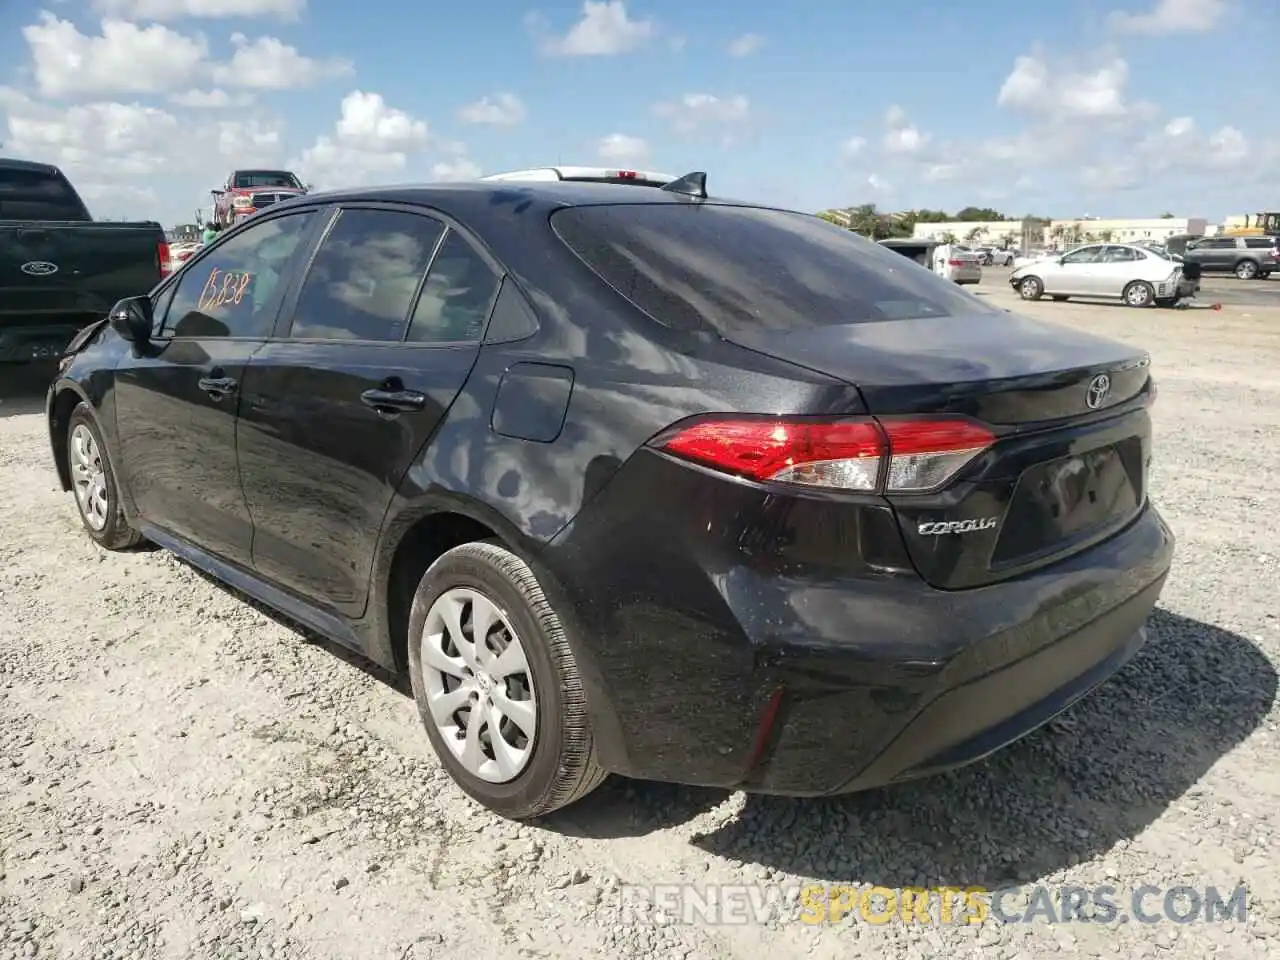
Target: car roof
<point>470,199</point>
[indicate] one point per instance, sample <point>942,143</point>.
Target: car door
<point>373,348</point>
<point>1116,267</point>
<point>1216,254</point>
<point>1076,273</point>
<point>176,404</point>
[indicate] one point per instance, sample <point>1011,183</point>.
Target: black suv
<point>1247,257</point>
<point>628,479</point>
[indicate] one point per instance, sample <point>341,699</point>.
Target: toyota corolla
<point>629,479</point>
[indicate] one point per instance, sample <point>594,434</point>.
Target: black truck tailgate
<point>56,277</point>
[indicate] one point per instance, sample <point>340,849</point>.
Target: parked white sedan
<point>1138,276</point>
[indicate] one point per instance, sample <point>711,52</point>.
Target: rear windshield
<point>38,195</point>
<point>729,269</point>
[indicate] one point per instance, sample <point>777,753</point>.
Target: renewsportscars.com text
<point>833,904</point>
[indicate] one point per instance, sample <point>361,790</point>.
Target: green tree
<point>985,214</point>
<point>1166,216</point>
<point>975,235</point>
<point>948,237</point>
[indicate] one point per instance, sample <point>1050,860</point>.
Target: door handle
<point>218,387</point>
<point>392,402</point>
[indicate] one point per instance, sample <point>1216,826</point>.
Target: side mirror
<point>132,319</point>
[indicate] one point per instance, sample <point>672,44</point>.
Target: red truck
<point>248,191</point>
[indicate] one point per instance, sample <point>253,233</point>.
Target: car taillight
<point>955,263</point>
<point>863,454</point>
<point>163,258</point>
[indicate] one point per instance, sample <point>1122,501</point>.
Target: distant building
<point>1061,232</point>
<point>184,232</point>
<point>1083,230</point>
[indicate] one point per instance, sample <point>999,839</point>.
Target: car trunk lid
<point>1069,412</point>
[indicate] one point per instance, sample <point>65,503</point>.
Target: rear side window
<point>363,278</point>
<point>38,195</point>
<point>1260,243</point>
<point>457,297</point>
<point>727,269</point>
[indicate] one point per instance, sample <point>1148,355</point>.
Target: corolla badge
<point>39,268</point>
<point>937,528</point>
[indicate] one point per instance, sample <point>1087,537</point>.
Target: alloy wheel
<point>478,683</point>
<point>89,478</point>
<point>1138,295</point>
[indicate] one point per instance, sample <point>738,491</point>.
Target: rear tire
<point>522,776</point>
<point>94,484</point>
<point>1139,294</point>
<point>1246,270</point>
<point>1030,288</point>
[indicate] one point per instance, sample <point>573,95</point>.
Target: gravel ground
<point>181,775</point>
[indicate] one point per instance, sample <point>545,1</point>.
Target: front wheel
<point>1030,288</point>
<point>94,483</point>
<point>1246,270</point>
<point>497,686</point>
<point>1139,294</point>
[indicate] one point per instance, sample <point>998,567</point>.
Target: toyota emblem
<point>39,268</point>
<point>1099,390</point>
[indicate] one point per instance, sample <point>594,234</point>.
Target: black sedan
<point>627,479</point>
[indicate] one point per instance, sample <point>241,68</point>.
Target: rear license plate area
<point>1071,498</point>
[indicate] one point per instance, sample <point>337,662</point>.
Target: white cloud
<point>459,169</point>
<point>621,148</point>
<point>902,136</point>
<point>215,99</point>
<point>745,45</point>
<point>706,112</point>
<point>1034,86</point>
<point>167,10</point>
<point>500,110</point>
<point>853,147</point>
<point>125,58</point>
<point>251,141</point>
<point>271,64</point>
<point>370,141</point>
<point>878,184</point>
<point>1171,16</point>
<point>606,29</point>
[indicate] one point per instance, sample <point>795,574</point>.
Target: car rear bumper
<point>38,342</point>
<point>709,660</point>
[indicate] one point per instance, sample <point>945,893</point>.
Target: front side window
<point>364,275</point>
<point>231,291</point>
<point>1083,255</point>
<point>730,269</point>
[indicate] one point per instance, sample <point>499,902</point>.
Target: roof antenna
<point>690,185</point>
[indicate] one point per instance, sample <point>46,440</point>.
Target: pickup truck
<point>60,270</point>
<point>248,191</point>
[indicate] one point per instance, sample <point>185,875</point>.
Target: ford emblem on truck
<point>39,268</point>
